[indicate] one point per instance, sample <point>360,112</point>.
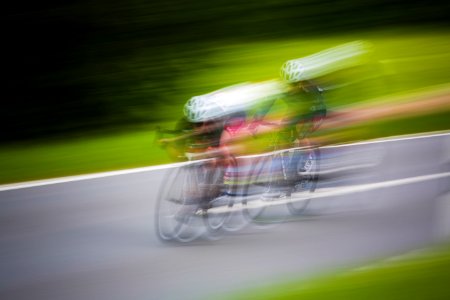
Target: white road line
<point>389,139</point>
<point>346,169</point>
<point>327,192</point>
<point>415,255</point>
<point>330,192</point>
<point>29,184</point>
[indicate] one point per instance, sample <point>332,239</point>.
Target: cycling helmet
<point>292,71</point>
<point>193,108</point>
<point>326,62</point>
<point>201,109</point>
<point>234,99</point>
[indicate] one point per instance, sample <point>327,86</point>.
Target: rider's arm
<point>318,102</point>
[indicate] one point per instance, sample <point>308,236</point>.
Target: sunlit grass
<point>84,155</point>
<point>425,276</point>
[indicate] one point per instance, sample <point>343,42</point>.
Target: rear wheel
<point>214,204</point>
<point>236,177</point>
<point>307,174</point>
<point>266,193</point>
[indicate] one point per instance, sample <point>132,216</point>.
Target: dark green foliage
<point>78,65</point>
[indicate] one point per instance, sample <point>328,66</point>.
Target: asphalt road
<point>95,239</point>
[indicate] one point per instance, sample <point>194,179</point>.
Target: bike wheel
<point>236,177</point>
<point>166,209</point>
<point>215,205</point>
<point>266,193</point>
<point>178,205</point>
<point>307,171</point>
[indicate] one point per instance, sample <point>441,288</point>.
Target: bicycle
<point>204,198</point>
<point>284,177</point>
<point>191,202</point>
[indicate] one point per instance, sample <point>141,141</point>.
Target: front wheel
<point>307,175</point>
<point>178,205</point>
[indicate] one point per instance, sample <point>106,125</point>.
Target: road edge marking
<point>66,179</point>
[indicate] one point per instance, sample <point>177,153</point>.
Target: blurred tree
<point>79,65</point>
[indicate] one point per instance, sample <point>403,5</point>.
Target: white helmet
<point>230,100</point>
<point>201,108</point>
<point>292,71</point>
<point>326,62</point>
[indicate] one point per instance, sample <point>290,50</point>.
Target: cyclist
<point>221,120</point>
<point>304,95</point>
<point>306,110</point>
<point>305,105</point>
<point>306,99</point>
<point>225,111</point>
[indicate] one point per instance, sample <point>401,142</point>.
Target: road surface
<point>95,238</point>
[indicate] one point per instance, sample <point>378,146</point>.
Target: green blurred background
<point>420,275</point>
<point>87,81</point>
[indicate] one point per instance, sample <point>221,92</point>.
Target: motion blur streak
<point>272,110</point>
<point>21,185</point>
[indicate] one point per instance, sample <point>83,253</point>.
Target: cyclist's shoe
<point>277,192</point>
<point>205,204</point>
<point>201,212</point>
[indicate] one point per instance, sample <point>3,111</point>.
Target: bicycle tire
<point>307,169</point>
<point>264,195</point>
<point>175,209</point>
<point>216,212</point>
<point>235,190</point>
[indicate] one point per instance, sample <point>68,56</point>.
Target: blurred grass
<point>23,161</point>
<point>424,276</point>
<point>402,63</point>
<point>410,125</point>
